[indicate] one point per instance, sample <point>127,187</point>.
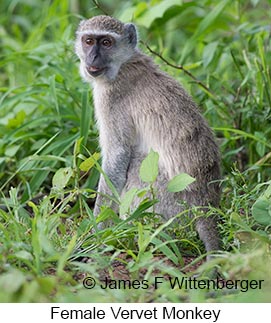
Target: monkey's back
<point>167,120</point>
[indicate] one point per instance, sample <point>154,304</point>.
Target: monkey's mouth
<point>95,70</point>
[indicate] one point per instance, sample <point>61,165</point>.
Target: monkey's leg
<point>115,168</point>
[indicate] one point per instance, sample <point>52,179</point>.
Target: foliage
<point>49,161</point>
<point>180,182</point>
<point>261,209</point>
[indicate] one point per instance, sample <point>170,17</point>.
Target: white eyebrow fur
<point>98,33</point>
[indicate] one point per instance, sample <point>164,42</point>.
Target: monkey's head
<point>103,44</point>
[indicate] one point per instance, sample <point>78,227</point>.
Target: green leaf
<point>180,182</point>
<point>62,177</point>
<point>53,93</point>
<point>12,281</point>
<point>127,14</point>
<point>47,284</point>
<point>267,192</point>
<point>18,120</point>
<point>127,200</point>
<point>162,246</point>
<point>86,117</point>
<point>261,211</point>
<point>23,254</point>
<point>209,52</point>
<point>65,255</point>
<point>206,22</point>
<point>131,13</point>
<point>260,146</point>
<point>149,168</point>
<point>12,150</point>
<point>77,146</point>
<point>87,164</point>
<point>107,213</point>
<point>210,18</point>
<point>156,12</point>
<point>254,2</point>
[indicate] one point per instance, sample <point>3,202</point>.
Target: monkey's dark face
<point>103,52</point>
<point>98,51</point>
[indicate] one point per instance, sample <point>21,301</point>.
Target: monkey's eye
<point>89,41</point>
<point>107,42</point>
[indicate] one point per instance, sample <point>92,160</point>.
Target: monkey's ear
<point>131,33</point>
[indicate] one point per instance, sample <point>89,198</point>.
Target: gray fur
<point>139,107</point>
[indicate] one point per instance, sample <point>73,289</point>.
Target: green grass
<point>47,132</point>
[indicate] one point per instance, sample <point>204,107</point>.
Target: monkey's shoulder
<point>147,78</point>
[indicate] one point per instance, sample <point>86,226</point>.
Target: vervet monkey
<point>138,107</point>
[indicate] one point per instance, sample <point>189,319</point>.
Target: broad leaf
<point>261,209</point>
<point>180,182</point>
<point>127,200</point>
<point>62,177</point>
<point>87,164</point>
<point>149,168</point>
